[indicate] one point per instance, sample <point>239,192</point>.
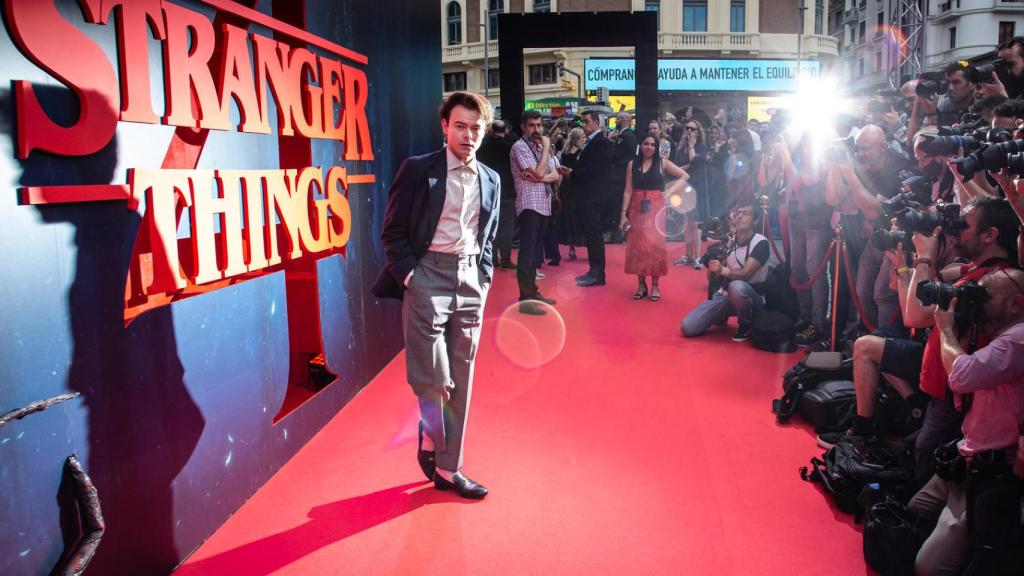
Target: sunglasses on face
<point>691,129</point>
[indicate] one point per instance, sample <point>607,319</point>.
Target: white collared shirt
<point>458,229</point>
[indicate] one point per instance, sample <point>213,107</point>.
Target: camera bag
<point>830,406</point>
<point>773,332</point>
<point>801,378</point>
<point>892,537</point>
<point>845,469</point>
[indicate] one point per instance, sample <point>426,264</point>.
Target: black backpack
<point>829,407</point>
<point>892,537</point>
<point>846,468</point>
<point>773,332</point>
<point>799,379</point>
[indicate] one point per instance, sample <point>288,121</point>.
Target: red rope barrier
<point>852,285</point>
<point>817,273</point>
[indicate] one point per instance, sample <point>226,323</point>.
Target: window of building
<point>738,16</point>
<point>454,23</point>
<point>542,74</point>
<point>454,81</point>
<point>493,78</point>
<point>654,6</point>
<point>878,60</point>
<point>819,16</point>
<point>880,19</point>
<point>860,66</point>
<point>862,29</point>
<point>1005,31</point>
<point>495,7</point>
<point>542,5</point>
<point>695,15</point>
<point>952,37</point>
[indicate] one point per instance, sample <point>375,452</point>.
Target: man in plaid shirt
<point>535,173</point>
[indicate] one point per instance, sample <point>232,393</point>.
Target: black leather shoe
<point>531,308</point>
<point>583,277</point>
<point>590,281</point>
<point>541,298</point>
<point>464,486</point>
<point>425,457</point>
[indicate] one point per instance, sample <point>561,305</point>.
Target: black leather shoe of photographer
<point>462,485</point>
<point>426,458</point>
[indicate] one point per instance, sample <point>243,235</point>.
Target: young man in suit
<point>590,178</point>
<point>438,231</point>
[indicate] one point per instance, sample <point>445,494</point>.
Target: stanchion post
<point>836,273</point>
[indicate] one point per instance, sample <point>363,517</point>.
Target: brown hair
<point>469,100</point>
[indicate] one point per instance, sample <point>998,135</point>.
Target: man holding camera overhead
<point>944,110</point>
<point>974,497</point>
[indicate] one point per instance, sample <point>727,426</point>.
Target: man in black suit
<point>590,177</point>
<point>624,138</point>
<point>494,153</point>
<point>438,232</point>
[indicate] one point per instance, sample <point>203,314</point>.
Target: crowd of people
<point>922,191</point>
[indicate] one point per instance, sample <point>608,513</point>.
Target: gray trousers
<point>442,312</point>
<point>948,550</point>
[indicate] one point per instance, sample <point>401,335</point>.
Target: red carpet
<point>629,450</point>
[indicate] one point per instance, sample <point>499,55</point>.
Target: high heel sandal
<point>655,293</point>
<point>641,292</point>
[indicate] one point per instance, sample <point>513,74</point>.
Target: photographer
<point>1012,53</point>
<point>978,510</point>
<point>988,241</point>
<point>945,110</point>
<point>741,270</point>
<point>874,177</point>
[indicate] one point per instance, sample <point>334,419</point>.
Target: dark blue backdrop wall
<point>175,418</point>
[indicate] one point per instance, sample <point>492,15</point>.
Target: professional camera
<point>983,74</point>
<point>714,229</point>
<point>1015,163</point>
<point>839,150</point>
<point>915,191</point>
<point>930,84</point>
<point>970,296</point>
<point>888,239</point>
<point>938,145</point>
<point>946,215</point>
<point>714,253</point>
<point>992,157</point>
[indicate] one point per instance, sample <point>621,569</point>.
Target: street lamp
<point>799,36</point>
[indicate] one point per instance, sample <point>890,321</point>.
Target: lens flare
<point>669,223</point>
<point>530,341</point>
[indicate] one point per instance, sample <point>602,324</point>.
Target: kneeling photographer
<point>740,269</point>
<point>974,496</point>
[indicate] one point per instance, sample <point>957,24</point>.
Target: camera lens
<point>1015,163</point>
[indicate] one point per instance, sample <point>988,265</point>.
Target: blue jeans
<point>881,303</point>
<point>942,423</point>
<point>741,301</point>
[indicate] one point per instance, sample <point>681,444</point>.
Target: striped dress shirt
<point>458,229</point>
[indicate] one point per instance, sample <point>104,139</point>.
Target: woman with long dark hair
<point>694,157</point>
<point>570,232</point>
<point>643,210</point>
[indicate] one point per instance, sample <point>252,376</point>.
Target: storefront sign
<point>761,108</point>
<point>263,217</point>
<point>709,75</point>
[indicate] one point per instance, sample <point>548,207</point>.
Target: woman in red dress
<point>643,215</point>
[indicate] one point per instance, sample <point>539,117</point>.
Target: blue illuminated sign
<point>736,75</point>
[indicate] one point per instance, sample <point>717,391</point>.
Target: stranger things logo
<point>243,223</point>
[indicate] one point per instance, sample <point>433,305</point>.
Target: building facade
<point>968,29</point>
<point>688,29</point>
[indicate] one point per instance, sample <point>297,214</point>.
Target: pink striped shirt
<point>458,228</point>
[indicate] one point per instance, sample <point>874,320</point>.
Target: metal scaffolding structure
<point>906,40</point>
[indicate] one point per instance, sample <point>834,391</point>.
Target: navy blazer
<point>415,202</point>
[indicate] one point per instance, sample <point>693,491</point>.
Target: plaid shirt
<point>534,196</point>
